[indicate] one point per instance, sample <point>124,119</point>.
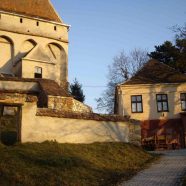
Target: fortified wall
<point>40,116</point>
<point>34,101</point>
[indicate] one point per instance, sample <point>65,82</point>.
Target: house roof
<point>34,8</point>
<point>49,87</point>
<point>156,72</point>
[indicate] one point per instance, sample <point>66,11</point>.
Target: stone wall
<point>76,115</point>
<point>67,104</point>
<point>80,107</point>
<point>16,98</point>
<point>135,132</point>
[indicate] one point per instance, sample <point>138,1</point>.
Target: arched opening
<point>54,50</point>
<point>6,55</point>
<point>27,46</point>
<point>58,55</point>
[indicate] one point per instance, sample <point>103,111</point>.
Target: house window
<point>38,72</point>
<point>183,101</point>
<point>136,104</point>
<point>162,103</point>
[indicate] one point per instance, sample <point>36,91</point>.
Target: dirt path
<point>168,171</point>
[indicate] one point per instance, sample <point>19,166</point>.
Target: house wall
<point>15,36</point>
<point>183,118</point>
<point>148,93</point>
<point>64,130</point>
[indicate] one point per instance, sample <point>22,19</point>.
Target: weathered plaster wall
<point>6,49</point>
<point>17,69</point>
<point>49,70</point>
<point>18,86</point>
<point>148,93</point>
<point>64,130</point>
<point>29,26</point>
<point>18,38</point>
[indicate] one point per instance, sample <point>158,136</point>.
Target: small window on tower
<point>38,72</point>
<point>21,20</point>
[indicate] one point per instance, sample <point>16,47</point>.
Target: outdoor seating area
<point>161,142</point>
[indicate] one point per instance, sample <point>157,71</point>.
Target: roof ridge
<point>154,72</point>
<point>171,67</point>
<point>55,10</point>
<point>33,8</point>
<point>135,73</point>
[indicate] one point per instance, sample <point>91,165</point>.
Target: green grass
<point>53,164</point>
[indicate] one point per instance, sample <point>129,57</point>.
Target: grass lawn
<point>53,164</point>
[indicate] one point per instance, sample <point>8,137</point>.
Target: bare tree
<point>138,58</point>
<point>180,31</point>
<point>123,67</point>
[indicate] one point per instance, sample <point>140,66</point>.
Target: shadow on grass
<point>99,164</point>
<point>9,137</point>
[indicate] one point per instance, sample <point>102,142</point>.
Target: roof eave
<point>148,84</point>
<point>35,18</point>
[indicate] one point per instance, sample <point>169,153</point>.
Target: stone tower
<point>33,41</point>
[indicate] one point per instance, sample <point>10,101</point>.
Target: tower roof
<point>33,8</point>
<point>155,72</point>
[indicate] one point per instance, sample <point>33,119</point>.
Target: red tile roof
<point>34,8</point>
<point>155,72</point>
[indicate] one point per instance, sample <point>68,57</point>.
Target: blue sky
<point>101,29</point>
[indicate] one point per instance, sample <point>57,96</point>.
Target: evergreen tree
<point>173,53</point>
<point>76,91</point>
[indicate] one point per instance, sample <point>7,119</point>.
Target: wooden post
<point>1,113</point>
<point>19,122</point>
